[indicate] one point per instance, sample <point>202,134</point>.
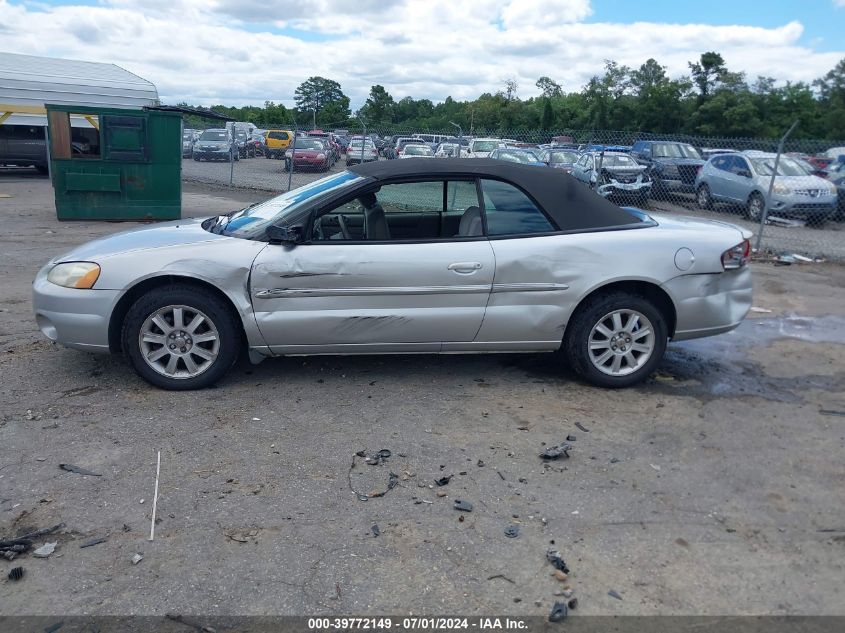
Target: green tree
<point>548,115</point>
<point>323,97</point>
<point>831,89</point>
<point>549,87</point>
<point>378,109</point>
<point>707,72</point>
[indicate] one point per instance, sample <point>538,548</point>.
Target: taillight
<point>736,257</point>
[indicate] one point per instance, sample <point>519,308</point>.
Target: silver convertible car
<point>458,255</point>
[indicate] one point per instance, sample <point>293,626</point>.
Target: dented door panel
<point>360,298</point>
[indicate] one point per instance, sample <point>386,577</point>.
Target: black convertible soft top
<point>572,206</point>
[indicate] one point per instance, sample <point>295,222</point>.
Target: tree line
<point>710,101</point>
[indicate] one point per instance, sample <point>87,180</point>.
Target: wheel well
<point>139,289</point>
<point>645,289</point>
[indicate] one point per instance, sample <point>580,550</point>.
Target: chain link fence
<point>794,201</point>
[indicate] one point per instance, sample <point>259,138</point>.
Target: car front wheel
<point>180,338</point>
<point>616,339</point>
<point>755,207</point>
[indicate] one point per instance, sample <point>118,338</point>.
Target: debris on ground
<point>831,412</point>
<point>16,573</point>
<point>512,531</point>
<point>45,550</point>
<point>614,594</point>
<point>443,481</point>
<point>502,576</point>
<point>570,438</point>
<point>559,575</point>
<point>463,506</point>
<point>776,220</point>
<point>760,310</point>
<point>582,427</point>
<point>14,547</point>
<point>441,493</point>
<point>480,463</point>
<point>137,558</point>
<point>373,460</point>
<point>556,452</point>
<point>241,536</point>
<point>655,466</point>
<point>93,542</point>
<point>559,612</point>
<point>79,471</point>
<point>555,558</point>
<point>572,604</point>
<point>376,530</point>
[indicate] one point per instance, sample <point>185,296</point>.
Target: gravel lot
<point>268,175</point>
<point>715,488</point>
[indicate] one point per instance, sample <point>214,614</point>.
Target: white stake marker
<point>155,498</point>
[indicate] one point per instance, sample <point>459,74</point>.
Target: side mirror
<point>285,234</point>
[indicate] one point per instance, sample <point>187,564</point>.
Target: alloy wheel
<point>621,342</point>
<point>179,341</point>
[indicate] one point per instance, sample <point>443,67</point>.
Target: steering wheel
<point>344,228</point>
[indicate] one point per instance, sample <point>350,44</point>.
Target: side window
<point>85,135</point>
<point>740,165</point>
<point>415,211</point>
<point>511,212</point>
<point>718,162</point>
<point>588,163</point>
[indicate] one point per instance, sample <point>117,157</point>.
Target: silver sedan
<point>412,256</point>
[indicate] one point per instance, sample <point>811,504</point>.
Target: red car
<point>310,153</point>
<point>334,147</point>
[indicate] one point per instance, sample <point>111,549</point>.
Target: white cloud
<point>839,3</point>
<point>235,52</point>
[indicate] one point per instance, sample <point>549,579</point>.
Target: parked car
<point>310,153</point>
<point>215,144</point>
<point>24,146</point>
<point>260,142</point>
<point>516,155</point>
<point>361,151</point>
<point>672,166</point>
<point>246,146</point>
<point>448,150</point>
<point>743,179</point>
<point>613,174</point>
<point>418,150</point>
<point>836,175</point>
<point>559,158</point>
<point>481,147</point>
<point>332,146</point>
<point>187,143</point>
<point>278,142</point>
<point>436,253</point>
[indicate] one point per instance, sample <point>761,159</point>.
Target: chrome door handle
<point>464,267</point>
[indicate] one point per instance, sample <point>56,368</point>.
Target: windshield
<point>786,167</point>
<point>518,157</point>
<point>484,146</point>
<point>214,135</point>
<point>563,157</point>
<point>251,222</point>
<point>616,160</point>
<point>674,150</point>
<point>417,150</point>
<point>307,143</point>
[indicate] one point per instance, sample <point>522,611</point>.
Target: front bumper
<point>624,189</point>
<point>212,153</point>
<point>75,318</point>
<point>711,303</point>
<point>803,206</point>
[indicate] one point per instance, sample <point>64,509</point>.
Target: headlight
<point>781,189</point>
<point>831,189</point>
<point>74,274</point>
<point>321,156</point>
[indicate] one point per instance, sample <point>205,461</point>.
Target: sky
<point>240,52</point>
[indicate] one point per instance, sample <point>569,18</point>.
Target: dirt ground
<point>717,487</point>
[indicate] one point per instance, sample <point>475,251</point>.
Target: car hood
<point>798,182</point>
<point>142,238</point>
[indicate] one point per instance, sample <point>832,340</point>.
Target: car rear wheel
<point>616,339</point>
<point>703,197</point>
<point>755,207</point>
<point>180,338</point>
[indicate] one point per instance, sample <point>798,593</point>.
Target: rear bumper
<point>709,304</point>
<point>74,318</point>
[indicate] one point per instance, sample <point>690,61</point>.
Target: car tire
<point>755,207</point>
<point>197,158</point>
<point>597,363</point>
<point>217,320</point>
<point>703,197</point>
